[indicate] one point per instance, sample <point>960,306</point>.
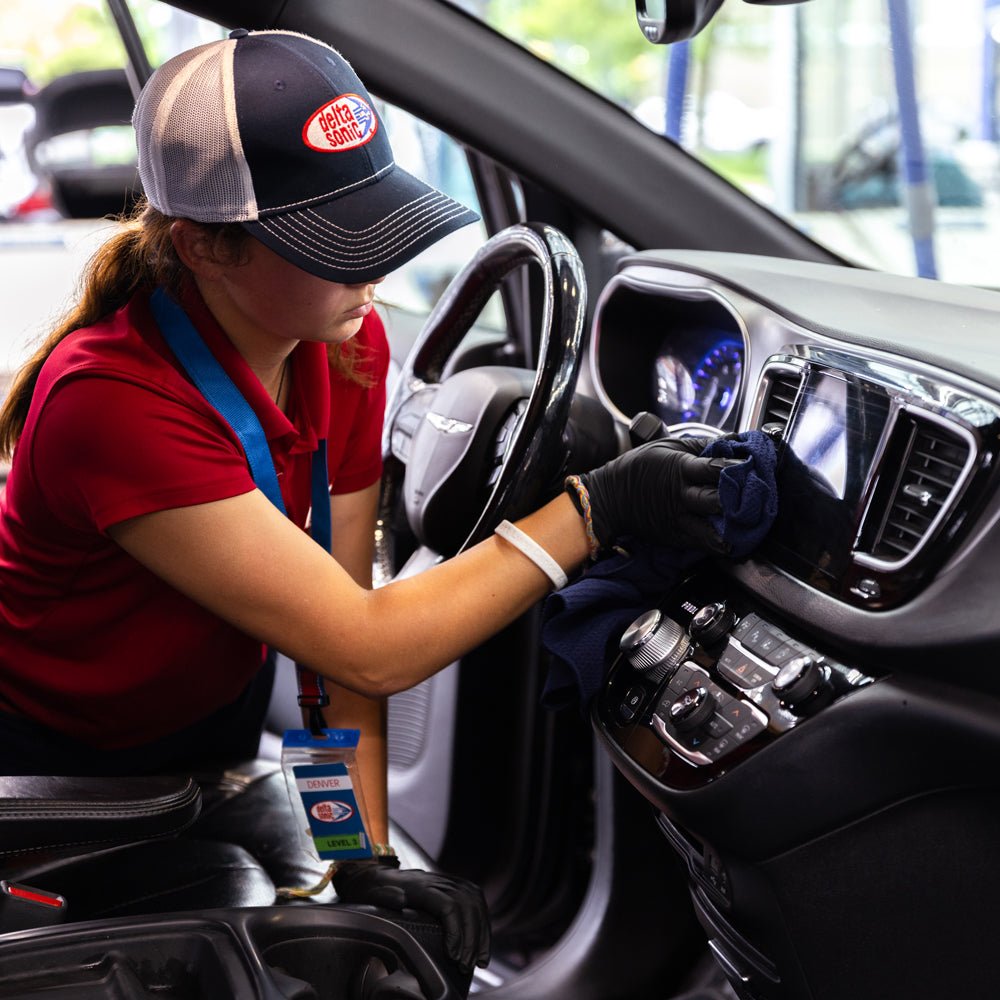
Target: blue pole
<point>677,82</point>
<point>917,186</point>
<point>988,94</point>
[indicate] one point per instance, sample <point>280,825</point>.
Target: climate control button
<point>799,682</point>
<point>711,622</point>
<point>692,709</point>
<point>743,670</point>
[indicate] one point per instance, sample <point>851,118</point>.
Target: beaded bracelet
<point>581,500</point>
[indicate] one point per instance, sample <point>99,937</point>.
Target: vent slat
<point>783,388</point>
<point>937,451</point>
<point>926,514</point>
<point>932,468</point>
<point>889,546</point>
<point>948,458</point>
<point>922,475</point>
<point>906,528</point>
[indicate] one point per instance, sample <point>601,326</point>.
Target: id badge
<point>325,789</point>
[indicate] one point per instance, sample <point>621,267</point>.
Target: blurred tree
<point>598,42</point>
<point>80,36</point>
<point>65,36</point>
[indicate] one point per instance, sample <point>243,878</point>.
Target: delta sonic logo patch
<point>342,124</point>
<point>335,824</point>
<point>331,811</point>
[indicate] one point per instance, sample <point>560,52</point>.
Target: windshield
<point>870,126</point>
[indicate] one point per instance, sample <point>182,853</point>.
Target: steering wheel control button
<point>407,421</point>
<point>744,670</point>
<point>505,439</point>
<point>710,623</point>
<point>655,645</point>
<point>692,710</point>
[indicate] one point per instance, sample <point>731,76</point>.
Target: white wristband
<point>529,547</point>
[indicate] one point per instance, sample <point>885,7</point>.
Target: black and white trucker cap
<point>274,130</point>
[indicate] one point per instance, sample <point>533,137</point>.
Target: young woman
<point>142,570</point>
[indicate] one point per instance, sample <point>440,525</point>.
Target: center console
<point>703,681</point>
<point>797,788</point>
<point>701,685</point>
<point>258,953</point>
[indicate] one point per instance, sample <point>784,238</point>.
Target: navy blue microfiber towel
<point>579,621</point>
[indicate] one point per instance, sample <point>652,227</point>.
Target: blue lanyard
<point>219,391</point>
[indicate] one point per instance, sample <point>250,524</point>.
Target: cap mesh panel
<point>190,157</point>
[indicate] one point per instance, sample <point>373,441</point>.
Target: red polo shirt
<point>92,644</point>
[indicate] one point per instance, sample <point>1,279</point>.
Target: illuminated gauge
<point>674,388</point>
<point>715,382</point>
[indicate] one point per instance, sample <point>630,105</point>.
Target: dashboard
<point>784,713</point>
<point>887,451</point>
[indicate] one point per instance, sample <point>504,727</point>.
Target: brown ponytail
<point>140,255</point>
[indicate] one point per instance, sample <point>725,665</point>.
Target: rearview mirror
<point>666,21</point>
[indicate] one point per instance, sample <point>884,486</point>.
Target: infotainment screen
<point>829,448</point>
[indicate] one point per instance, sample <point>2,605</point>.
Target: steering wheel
<point>466,450</point>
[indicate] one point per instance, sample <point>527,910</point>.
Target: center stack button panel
<point>709,676</point>
<point>731,721</point>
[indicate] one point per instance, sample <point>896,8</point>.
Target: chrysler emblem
<point>447,425</point>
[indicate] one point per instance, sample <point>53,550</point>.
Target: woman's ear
<point>195,249</point>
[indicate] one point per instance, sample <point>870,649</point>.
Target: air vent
<point>933,460</point>
<point>779,399</point>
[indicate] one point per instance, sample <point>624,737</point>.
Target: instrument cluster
<point>698,381</point>
<point>682,359</point>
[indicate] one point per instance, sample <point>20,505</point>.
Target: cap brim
<point>366,234</point>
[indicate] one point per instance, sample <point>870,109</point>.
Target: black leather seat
<point>146,846</point>
<point>113,847</point>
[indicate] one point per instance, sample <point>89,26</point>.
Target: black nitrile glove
<point>661,492</point>
<point>458,905</point>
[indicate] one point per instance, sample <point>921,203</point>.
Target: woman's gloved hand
<point>662,492</point>
<point>458,904</point>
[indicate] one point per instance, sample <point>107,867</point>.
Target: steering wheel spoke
<point>408,415</point>
<point>466,450</point>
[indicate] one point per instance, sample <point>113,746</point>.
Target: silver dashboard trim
<point>694,756</point>
<point>689,293</point>
<point>892,378</point>
<point>727,964</point>
<point>870,561</point>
